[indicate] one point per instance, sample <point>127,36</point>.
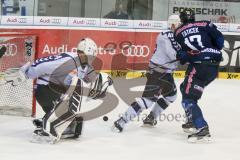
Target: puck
<point>105,118</point>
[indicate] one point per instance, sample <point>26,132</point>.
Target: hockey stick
<point>162,65</point>
<point>231,50</point>
<point>169,62</point>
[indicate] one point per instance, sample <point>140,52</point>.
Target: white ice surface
<point>221,107</point>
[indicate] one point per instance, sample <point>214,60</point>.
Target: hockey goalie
<point>61,82</point>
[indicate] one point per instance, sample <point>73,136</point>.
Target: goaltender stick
<point>60,87</point>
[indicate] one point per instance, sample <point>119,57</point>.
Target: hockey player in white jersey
<point>61,81</point>
<point>160,89</point>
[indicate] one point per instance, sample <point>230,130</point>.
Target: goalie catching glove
<point>99,87</point>
<point>12,75</point>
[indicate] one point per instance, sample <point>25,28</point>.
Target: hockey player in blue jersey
<point>201,43</point>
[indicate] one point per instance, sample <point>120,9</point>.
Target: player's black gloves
<point>3,49</point>
<point>182,56</point>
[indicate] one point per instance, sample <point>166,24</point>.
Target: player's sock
<point>133,111</point>
<point>197,117</point>
<point>202,135</point>
<point>157,110</point>
<point>129,115</point>
<point>194,114</point>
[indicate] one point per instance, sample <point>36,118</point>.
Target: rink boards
<point>177,74</point>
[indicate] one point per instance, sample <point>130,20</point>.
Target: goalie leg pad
<point>56,121</point>
<point>64,112</point>
<point>74,130</point>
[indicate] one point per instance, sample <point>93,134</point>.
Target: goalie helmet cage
<point>17,100</point>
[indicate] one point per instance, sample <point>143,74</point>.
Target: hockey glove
<point>183,57</point>
<point>100,86</point>
<point>14,76</point>
<point>206,56</point>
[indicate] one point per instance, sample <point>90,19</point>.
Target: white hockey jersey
<point>166,49</point>
<point>59,69</point>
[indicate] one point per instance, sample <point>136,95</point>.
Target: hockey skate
<point>119,125</point>
<point>201,136</point>
<point>38,123</point>
<point>189,127</point>
<point>40,136</point>
<point>149,121</point>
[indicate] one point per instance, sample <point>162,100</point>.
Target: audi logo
<point>11,49</point>
<point>135,50</point>
<point>91,22</point>
<point>122,23</point>
<point>22,20</point>
<point>56,21</point>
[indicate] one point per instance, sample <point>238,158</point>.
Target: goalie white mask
<point>89,47</point>
<point>173,22</point>
<point>99,87</point>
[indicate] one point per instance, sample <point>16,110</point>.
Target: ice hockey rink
<point>220,104</point>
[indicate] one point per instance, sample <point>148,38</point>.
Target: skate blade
<point>190,130</point>
<point>115,129</point>
<point>43,139</point>
<point>148,126</point>
<point>200,140</point>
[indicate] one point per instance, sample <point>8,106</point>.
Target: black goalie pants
<point>46,97</point>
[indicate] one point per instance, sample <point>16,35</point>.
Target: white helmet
<point>173,22</point>
<point>88,46</point>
